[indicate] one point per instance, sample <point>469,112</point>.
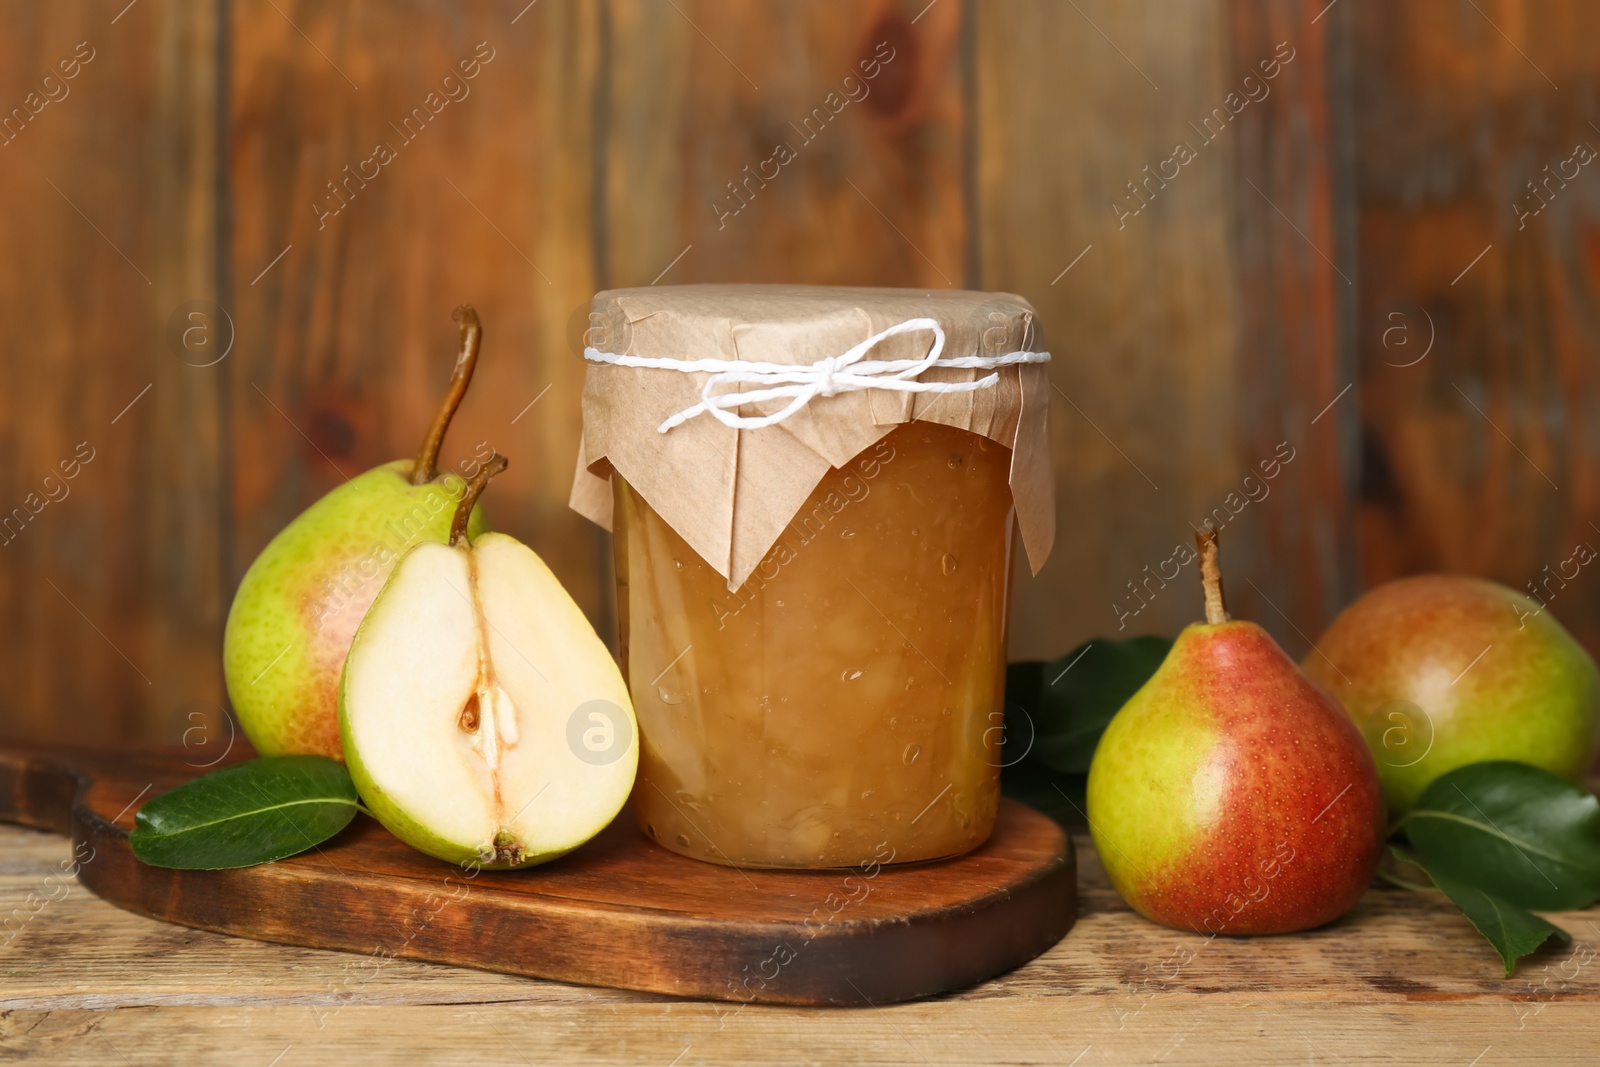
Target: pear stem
<point>426,467</point>
<point>1211,576</point>
<point>458,526</point>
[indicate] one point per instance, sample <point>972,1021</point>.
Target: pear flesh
<point>483,720</point>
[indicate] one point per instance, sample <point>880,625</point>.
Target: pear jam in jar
<point>812,494</point>
<point>844,703</point>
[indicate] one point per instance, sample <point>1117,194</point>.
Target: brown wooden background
<point>1303,259</point>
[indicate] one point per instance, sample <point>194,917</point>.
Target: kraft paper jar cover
<point>729,492</point>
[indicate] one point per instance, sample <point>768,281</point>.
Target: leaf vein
<point>253,812</point>
<point>1450,816</point>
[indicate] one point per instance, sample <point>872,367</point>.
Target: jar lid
<point>724,405</point>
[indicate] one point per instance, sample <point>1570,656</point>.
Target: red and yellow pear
<point>1231,794</point>
<point>1442,670</point>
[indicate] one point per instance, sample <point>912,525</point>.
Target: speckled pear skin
<point>1439,671</point>
<point>1232,795</point>
<point>299,605</point>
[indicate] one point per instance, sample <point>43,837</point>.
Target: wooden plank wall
<point>1204,325</point>
<point>1197,324</point>
<point>112,592</point>
<point>1484,456</point>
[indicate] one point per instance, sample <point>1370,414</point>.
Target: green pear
<point>1231,794</point>
<point>1439,671</point>
<point>298,606</point>
<point>484,721</point>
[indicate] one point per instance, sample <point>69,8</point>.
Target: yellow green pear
<point>299,604</point>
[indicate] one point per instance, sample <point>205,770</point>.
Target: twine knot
<point>799,384</point>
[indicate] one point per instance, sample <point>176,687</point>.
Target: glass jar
<point>843,705</point>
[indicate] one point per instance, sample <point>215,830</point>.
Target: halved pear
<point>483,720</point>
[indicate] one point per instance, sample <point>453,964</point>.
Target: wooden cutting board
<point>621,911</point>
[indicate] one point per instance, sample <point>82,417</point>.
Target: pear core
<point>458,705</point>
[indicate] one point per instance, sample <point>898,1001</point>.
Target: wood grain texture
<point>701,97</point>
<point>110,586</point>
<point>1401,978</point>
<point>346,342</point>
<point>620,911</point>
<point>1482,457</point>
<point>1193,320</point>
<point>1297,267</point>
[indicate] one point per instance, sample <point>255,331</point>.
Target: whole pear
<point>298,606</point>
<point>1231,795</point>
<point>1440,670</point>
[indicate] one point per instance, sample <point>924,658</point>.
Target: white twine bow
<point>799,384</point>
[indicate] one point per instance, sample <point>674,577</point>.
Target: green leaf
<point>1512,831</point>
<point>1513,931</point>
<point>248,813</point>
<point>1081,692</point>
<point>1407,863</point>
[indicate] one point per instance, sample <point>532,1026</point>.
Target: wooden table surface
<point>1399,981</point>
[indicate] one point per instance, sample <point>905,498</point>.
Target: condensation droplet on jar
<point>683,840</point>
<point>956,461</point>
<point>947,564</point>
<point>669,696</point>
<point>847,534</point>
<point>909,756</point>
<point>850,674</point>
<point>678,563</point>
